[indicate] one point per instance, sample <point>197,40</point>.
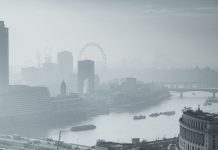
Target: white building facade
<point>198,130</point>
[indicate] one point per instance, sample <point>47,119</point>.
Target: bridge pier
<point>181,94</point>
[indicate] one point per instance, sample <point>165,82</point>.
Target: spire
<point>63,89</point>
<point>199,107</point>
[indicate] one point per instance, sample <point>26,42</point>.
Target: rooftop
<point>2,25</point>
<point>201,115</point>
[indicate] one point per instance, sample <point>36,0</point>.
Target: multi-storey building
<point>4,58</point>
<point>65,64</point>
<point>86,76</point>
<point>198,130</point>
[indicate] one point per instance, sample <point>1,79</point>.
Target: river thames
<point>120,127</point>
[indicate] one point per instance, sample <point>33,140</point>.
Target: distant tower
<point>4,57</point>
<point>63,89</point>
<point>65,64</point>
<point>86,76</point>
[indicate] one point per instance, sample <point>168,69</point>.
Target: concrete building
<point>24,100</point>
<point>65,64</point>
<point>86,76</point>
<point>4,57</point>
<point>198,130</point>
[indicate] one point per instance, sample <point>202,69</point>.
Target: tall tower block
<point>65,64</point>
<point>4,57</point>
<point>86,76</point>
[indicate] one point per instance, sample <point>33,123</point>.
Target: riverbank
<point>119,126</point>
<point>39,124</point>
<point>123,128</point>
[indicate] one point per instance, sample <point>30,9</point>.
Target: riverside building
<point>198,130</point>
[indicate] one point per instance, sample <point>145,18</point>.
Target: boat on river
<point>83,128</point>
<point>154,115</point>
<point>139,117</point>
<point>167,113</point>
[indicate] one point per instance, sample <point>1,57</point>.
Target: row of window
<point>184,146</point>
<point>194,124</point>
<point>191,136</point>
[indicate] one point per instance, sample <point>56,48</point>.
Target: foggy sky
<point>132,32</point>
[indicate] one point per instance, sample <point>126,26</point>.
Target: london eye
<point>90,47</point>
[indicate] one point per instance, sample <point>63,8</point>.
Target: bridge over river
<point>182,90</point>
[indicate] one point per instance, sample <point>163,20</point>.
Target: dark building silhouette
<point>65,64</point>
<point>4,58</point>
<point>86,76</point>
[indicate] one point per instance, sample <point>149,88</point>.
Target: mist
<point>108,74</point>
<point>140,32</point>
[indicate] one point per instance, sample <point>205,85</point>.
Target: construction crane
<point>59,139</point>
<point>39,59</point>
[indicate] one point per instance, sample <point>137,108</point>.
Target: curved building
<point>198,130</point>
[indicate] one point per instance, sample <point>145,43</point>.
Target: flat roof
<point>201,115</point>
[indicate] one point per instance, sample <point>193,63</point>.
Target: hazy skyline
<point>109,74</point>
<point>168,33</point>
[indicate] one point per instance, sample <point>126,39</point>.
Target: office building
<point>65,64</point>
<point>86,76</point>
<point>24,100</point>
<point>4,58</point>
<point>198,130</point>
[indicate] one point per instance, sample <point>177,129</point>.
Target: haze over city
<point>108,75</point>
<point>152,33</point>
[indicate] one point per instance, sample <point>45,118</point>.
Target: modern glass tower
<point>4,57</point>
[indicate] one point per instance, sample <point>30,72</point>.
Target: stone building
<point>198,130</point>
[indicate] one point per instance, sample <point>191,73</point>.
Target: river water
<point>120,127</point>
